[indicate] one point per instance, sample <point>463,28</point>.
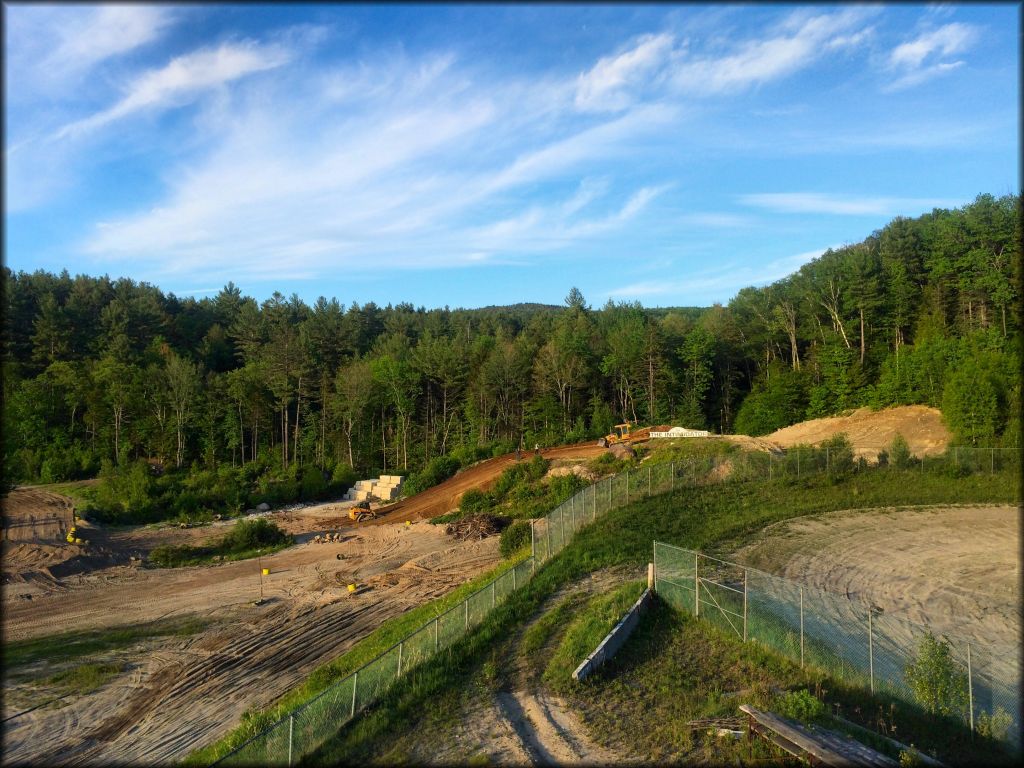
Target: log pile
<point>475,527</point>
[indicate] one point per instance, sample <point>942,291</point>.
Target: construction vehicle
<point>626,434</point>
<point>361,512</point>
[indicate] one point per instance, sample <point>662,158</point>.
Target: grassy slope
<point>692,517</point>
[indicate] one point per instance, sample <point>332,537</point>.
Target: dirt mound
<point>445,497</point>
<point>873,431</point>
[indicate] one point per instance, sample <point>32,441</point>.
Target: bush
<point>937,682</point>
<point>899,453</point>
<point>840,453</point>
<point>514,538</point>
<point>995,726</point>
<point>253,534</point>
<point>438,469</point>
<point>801,705</point>
<point>474,501</point>
<point>312,482</point>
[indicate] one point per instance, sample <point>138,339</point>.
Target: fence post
<point>826,460</point>
<point>798,464</point>
<point>696,585</point>
<point>593,503</point>
<point>871,651</point>
<point>355,687</point>
<point>574,513</point>
<point>401,650</point>
<point>744,605</point>
<point>769,465</point>
<point>654,565</point>
<point>801,627</point>
<point>493,597</point>
<point>514,587</point>
<point>547,528</point>
<point>970,688</point>
<point>992,462</point>
<point>533,540</point>
<point>435,634</point>
<point>466,603</point>
<point>627,486</point>
<point>291,732</point>
<point>673,487</point>
<point>648,479</point>
<point>956,456</point>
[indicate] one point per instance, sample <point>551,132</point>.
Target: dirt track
<point>955,569</point>
<point>176,694</point>
<point>445,497</point>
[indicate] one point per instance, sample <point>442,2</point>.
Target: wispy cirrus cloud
<point>609,85</point>
<point>727,279</point>
<point>842,205</point>
<point>182,79</point>
<point>929,54</point>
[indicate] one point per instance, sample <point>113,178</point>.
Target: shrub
<point>995,726</point>
<point>312,482</point>
<point>899,453</point>
<point>438,469</point>
<point>474,501</point>
<point>253,534</point>
<point>937,682</point>
<point>514,538</point>
<point>801,705</point>
<point>840,453</point>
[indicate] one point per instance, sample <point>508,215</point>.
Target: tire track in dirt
<point>549,733</point>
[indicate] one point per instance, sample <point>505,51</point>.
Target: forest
<point>185,405</point>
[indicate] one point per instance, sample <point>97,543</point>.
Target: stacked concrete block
<point>388,487</point>
<point>385,488</point>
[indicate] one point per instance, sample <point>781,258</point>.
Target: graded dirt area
<point>873,431</point>
<point>177,694</point>
<point>955,569</point>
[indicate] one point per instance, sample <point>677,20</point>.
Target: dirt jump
<point>175,694</point>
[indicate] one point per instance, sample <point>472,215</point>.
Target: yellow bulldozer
<point>361,512</point>
<point>625,433</point>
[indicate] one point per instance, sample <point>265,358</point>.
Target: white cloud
<point>944,41</point>
<point>50,48</point>
<point>927,55</point>
<point>607,86</point>
<point>726,280</point>
<point>842,205</point>
<point>799,43</point>
<point>181,79</point>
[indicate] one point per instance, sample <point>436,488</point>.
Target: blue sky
<point>471,155</point>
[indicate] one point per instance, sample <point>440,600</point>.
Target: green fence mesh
<point>844,637</point>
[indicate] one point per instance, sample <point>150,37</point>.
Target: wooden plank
<point>823,745</point>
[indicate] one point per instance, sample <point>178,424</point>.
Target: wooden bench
<point>818,745</point>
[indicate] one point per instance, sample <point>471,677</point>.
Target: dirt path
<point>548,731</point>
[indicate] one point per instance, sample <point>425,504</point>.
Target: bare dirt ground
<point>177,694</point>
<point>869,431</point>
<point>955,569</point>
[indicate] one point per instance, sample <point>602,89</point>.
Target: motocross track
<point>445,497</point>
<point>177,694</point>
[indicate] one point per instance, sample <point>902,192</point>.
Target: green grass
<point>589,627</point>
<point>60,647</point>
<point>84,678</point>
<point>697,518</point>
<point>246,539</point>
<point>676,671</point>
<point>378,641</point>
<point>538,633</point>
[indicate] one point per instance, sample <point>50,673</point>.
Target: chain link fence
<point>845,638</point>
<point>307,727</point>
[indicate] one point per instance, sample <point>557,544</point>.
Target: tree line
<point>99,370</point>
